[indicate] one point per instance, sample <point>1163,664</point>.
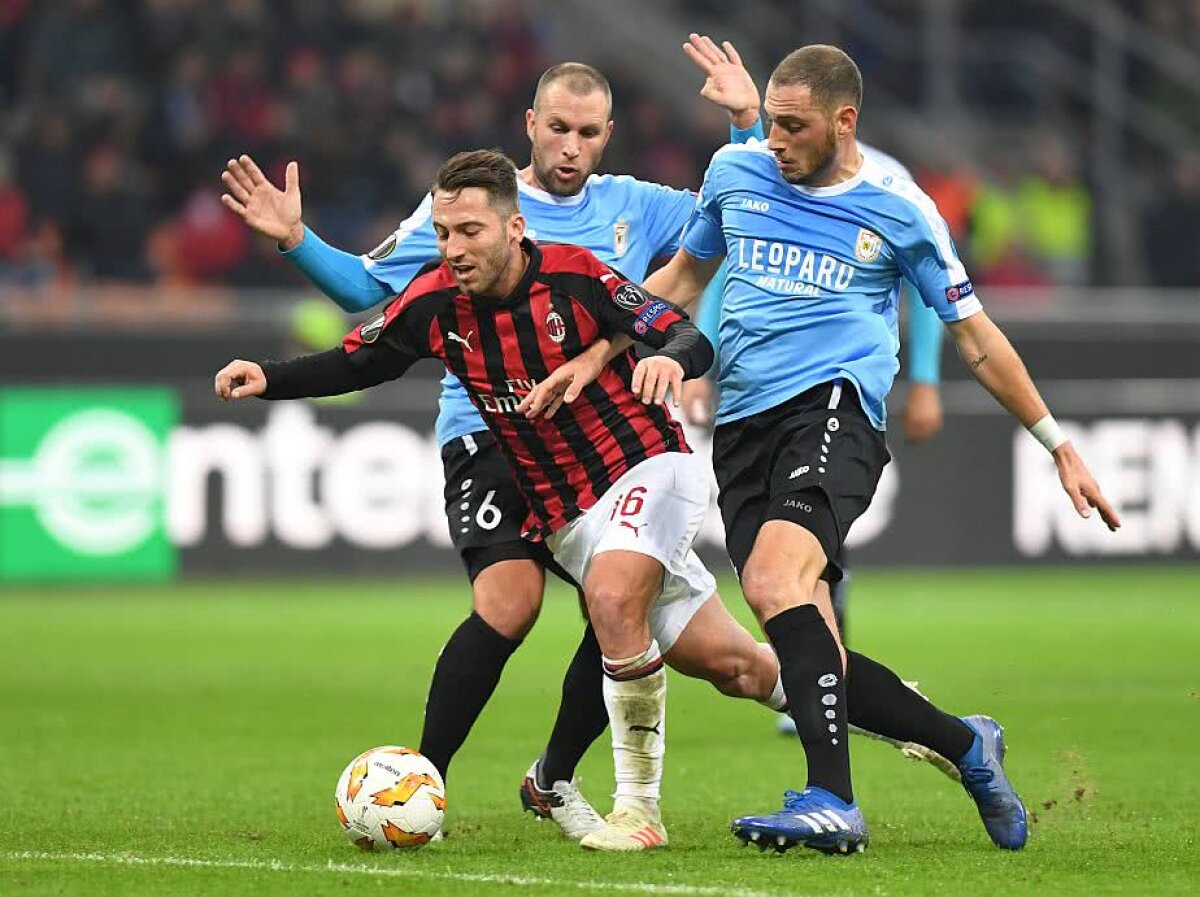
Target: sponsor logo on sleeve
<point>629,296</point>
<point>383,250</point>
<point>651,313</point>
<point>369,332</point>
<point>959,291</point>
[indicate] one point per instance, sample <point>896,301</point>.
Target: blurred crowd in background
<point>116,119</point>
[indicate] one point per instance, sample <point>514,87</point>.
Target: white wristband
<point>1048,433</point>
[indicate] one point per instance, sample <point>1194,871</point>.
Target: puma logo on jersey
<point>465,340</point>
<point>633,527</point>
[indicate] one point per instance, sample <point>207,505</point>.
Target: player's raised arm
<point>354,282</point>
<point>997,366</point>
<point>267,210</point>
<point>727,83</point>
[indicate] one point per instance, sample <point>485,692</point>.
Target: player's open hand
<point>727,83</point>
<point>265,208</point>
<point>239,380</point>
<point>1085,493</point>
<point>922,412</point>
<point>653,376</point>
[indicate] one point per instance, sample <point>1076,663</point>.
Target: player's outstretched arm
<point>276,214</point>
<point>727,83</point>
<point>267,210</point>
<point>994,362</point>
<point>682,280</point>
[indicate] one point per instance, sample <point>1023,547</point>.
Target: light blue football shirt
<point>814,274</point>
<point>924,327</point>
<point>625,222</point>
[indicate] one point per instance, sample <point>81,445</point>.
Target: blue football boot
<point>983,777</point>
<point>814,818</point>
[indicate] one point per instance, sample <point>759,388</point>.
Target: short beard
<point>546,177</point>
<point>502,257</point>
<point>824,167</point>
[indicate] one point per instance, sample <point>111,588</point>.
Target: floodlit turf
<point>186,741</point>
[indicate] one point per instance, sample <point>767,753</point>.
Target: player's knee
<point>612,603</point>
<point>770,589</point>
<point>772,584</point>
<point>511,609</point>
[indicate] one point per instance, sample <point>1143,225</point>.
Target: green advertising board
<point>82,474</point>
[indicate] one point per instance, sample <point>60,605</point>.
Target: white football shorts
<point>656,509</point>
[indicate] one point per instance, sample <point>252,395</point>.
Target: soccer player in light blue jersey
<point>628,224</point>
<point>817,240</point>
<point>922,411</point>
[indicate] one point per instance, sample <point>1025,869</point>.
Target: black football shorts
<point>484,508</point>
<point>814,460</point>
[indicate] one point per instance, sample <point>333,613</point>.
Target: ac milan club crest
<point>556,327</point>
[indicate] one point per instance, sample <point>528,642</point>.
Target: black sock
<point>463,680</point>
<point>839,596</point>
<point>582,717</point>
<point>811,668</point>
<point>881,703</point>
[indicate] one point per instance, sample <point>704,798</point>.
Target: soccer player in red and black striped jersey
<point>611,485</point>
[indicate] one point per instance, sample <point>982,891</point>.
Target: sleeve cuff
<point>744,135</point>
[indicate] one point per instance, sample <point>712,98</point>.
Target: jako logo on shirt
<point>959,291</point>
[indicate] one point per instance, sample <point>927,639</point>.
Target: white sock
<point>776,700</point>
<point>635,695</point>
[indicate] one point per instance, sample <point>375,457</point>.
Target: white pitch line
<point>125,859</point>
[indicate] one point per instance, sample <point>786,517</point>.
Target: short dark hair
<point>830,75</point>
<point>489,170</point>
<point>577,77</point>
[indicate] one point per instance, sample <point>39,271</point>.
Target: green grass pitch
<point>186,740</point>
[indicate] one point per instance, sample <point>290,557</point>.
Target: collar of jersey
<point>521,290</point>
<point>833,189</point>
<point>549,198</point>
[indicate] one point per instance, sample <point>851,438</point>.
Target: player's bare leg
<point>620,587</point>
<point>508,595</point>
<point>716,647</point>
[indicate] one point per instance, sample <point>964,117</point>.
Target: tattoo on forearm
<point>974,363</point>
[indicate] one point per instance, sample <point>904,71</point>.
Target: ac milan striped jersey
<point>500,348</point>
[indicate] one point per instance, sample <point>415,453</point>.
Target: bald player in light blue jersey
<point>817,240</point>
